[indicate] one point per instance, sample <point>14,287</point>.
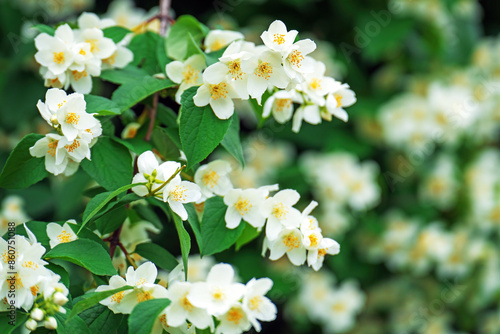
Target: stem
<point>164,20</point>
<point>169,179</point>
<point>129,258</point>
<point>114,240</point>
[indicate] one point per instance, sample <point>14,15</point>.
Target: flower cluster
<point>280,66</point>
<point>334,308</point>
<point>37,288</point>
<point>236,307</point>
<point>77,132</point>
<point>74,56</point>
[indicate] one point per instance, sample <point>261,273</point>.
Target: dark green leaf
<point>100,319</point>
<point>21,169</point>
<point>111,164</point>
<point>6,326</point>
<point>116,33</point>
<point>85,253</point>
<point>45,28</point>
<point>231,141</point>
<point>158,255</point>
<point>70,326</point>
<point>185,241</point>
<point>145,314</point>
<point>177,43</point>
<point>165,146</point>
<point>101,106</point>
<point>216,236</point>
<point>199,129</point>
<point>249,234</point>
<point>195,224</point>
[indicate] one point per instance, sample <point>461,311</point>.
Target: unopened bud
<point>53,120</point>
<point>153,175</point>
<point>50,323</point>
<point>31,324</point>
<point>60,299</point>
<point>37,314</point>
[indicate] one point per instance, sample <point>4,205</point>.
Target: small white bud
<point>31,324</point>
<point>60,299</point>
<point>54,120</point>
<point>37,314</point>
<point>50,323</point>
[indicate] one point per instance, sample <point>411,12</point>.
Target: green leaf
<point>93,298</point>
<point>146,47</point>
<point>195,224</point>
<point>231,141</point>
<point>199,129</point>
<point>70,326</point>
<point>85,253</point>
<point>193,47</point>
<point>166,116</point>
<point>59,271</point>
<point>158,255</point>
<point>45,28</point>
<point>100,319</point>
<point>128,74</point>
<point>111,164</point>
<point>164,144</point>
<point>6,327</point>
<point>116,33</point>
<point>101,106</point>
<point>129,94</point>
<point>216,236</point>
<point>136,145</point>
<point>185,241</point>
<point>100,200</point>
<point>177,43</point>
<point>21,169</point>
<point>145,314</point>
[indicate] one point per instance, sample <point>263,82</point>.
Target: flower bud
<point>31,324</point>
<point>60,299</point>
<point>37,314</point>
<point>54,120</point>
<point>50,323</point>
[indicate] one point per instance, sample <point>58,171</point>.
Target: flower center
<point>110,60</point>
<point>143,296</point>
<point>82,52</point>
<point>34,290</point>
<point>291,241</point>
<point>178,194</point>
<point>264,70</point>
<point>218,295</point>
<point>338,307</point>
<point>64,237</point>
<point>235,69</point>
<point>280,211</point>
<point>315,84</point>
<point>117,297</point>
<point>210,179</point>
<point>338,98</point>
<point>218,91</point>
<point>78,75</point>
<point>30,265</point>
<point>322,252</point>
<point>94,45</point>
<point>58,57</point>
<point>255,303</point>
<point>218,44</point>
<point>279,39</point>
<point>234,315</point>
<point>52,147</point>
<point>190,75</point>
<point>281,104</point>
<point>73,146</point>
<point>313,238</point>
<point>296,58</point>
<point>186,304</point>
<point>242,206</point>
<point>72,118</point>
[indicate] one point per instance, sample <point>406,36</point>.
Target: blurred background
<point>410,186</point>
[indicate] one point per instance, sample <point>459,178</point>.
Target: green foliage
<point>70,326</point>
<point>45,28</point>
<point>200,130</point>
<point>111,164</point>
<point>216,236</point>
<point>85,253</point>
<point>185,241</point>
<point>158,255</point>
<point>178,46</point>
<point>6,327</point>
<point>100,319</point>
<point>231,141</point>
<point>101,106</point>
<point>145,314</point>
<point>116,33</point>
<point>90,299</point>
<point>21,169</point>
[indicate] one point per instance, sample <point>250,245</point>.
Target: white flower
<point>234,321</point>
<point>151,172</point>
<point>100,46</point>
<point>31,324</point>
<point>73,118</point>
<point>60,234</point>
<point>219,292</point>
<point>178,192</point>
<point>247,205</point>
<point>265,70</point>
<point>277,38</point>
<point>213,178</point>
<point>289,242</point>
<point>113,301</point>
<point>306,112</point>
<point>316,85</point>
<point>218,94</point>
<point>217,39</point>
<point>281,105</point>
<point>49,148</point>
<point>181,309</point>
<point>55,52</point>
<point>229,67</point>
<point>50,323</point>
<point>316,255</point>
<point>36,314</point>
<point>280,213</point>
<point>341,97</point>
<point>119,59</point>
<point>296,61</point>
<point>91,20</point>
<point>187,73</point>
<point>256,305</point>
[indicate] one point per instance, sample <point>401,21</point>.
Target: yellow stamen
<point>59,57</point>
<point>264,70</point>
<point>242,206</point>
<point>279,39</point>
<point>218,91</point>
<point>210,179</point>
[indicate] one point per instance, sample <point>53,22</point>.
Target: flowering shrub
<point>159,165</point>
